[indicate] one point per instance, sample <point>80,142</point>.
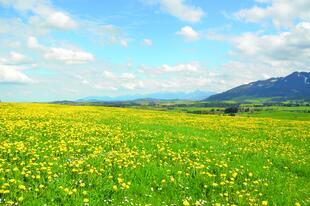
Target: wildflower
<point>186,203</point>
<point>114,187</point>
<point>22,187</point>
<point>6,191</point>
<point>10,202</point>
<point>235,174</point>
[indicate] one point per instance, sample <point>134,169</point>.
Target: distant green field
<point>290,113</point>
<point>301,113</point>
<point>89,155</point>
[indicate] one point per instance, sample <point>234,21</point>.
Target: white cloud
<point>282,13</point>
<point>260,56</point>
<point>10,74</point>
<point>110,34</point>
<point>292,46</point>
<point>124,42</point>
<point>108,75</point>
<point>129,86</point>
<point>105,86</point>
<point>179,68</point>
<point>112,81</point>
<point>128,76</point>
<point>147,42</point>
<point>188,33</point>
<point>186,83</point>
<point>179,9</point>
<point>33,43</point>
<point>189,68</point>
<point>61,20</point>
<point>15,58</point>
<point>18,58</point>
<point>68,56</point>
<point>44,14</point>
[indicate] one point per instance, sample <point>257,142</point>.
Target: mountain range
<point>194,96</point>
<point>295,86</point>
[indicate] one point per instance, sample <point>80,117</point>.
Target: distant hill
<point>295,86</point>
<point>195,95</point>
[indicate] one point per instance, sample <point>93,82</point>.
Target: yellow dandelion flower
<point>114,187</point>
<point>186,203</point>
<point>22,187</point>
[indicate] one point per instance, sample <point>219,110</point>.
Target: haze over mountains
<point>194,96</point>
<point>295,86</point>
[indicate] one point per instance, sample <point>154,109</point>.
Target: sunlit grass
<point>66,155</point>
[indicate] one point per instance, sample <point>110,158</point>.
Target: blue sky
<point>69,49</point>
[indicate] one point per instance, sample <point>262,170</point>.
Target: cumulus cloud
<point>108,75</point>
<point>282,13</point>
<point>190,82</point>
<point>11,75</point>
<point>179,9</point>
<point>189,68</point>
<point>188,33</point>
<point>18,58</point>
<point>113,81</point>
<point>111,34</point>
<point>12,69</point>
<point>128,76</point>
<point>147,42</point>
<point>68,56</point>
<point>289,46</point>
<point>44,14</point>
<point>33,43</point>
<point>130,85</point>
<point>15,58</point>
<point>106,86</point>
<point>61,20</point>
<point>179,68</point>
<point>261,56</point>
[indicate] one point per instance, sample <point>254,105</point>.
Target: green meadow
<point>94,155</point>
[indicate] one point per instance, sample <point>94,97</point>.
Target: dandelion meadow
<point>80,155</point>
